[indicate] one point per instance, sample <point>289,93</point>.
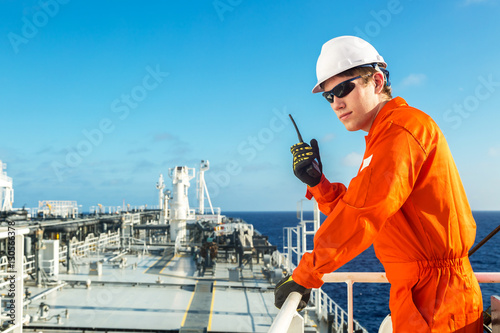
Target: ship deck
<point>161,293</point>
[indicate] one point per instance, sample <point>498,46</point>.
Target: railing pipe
<point>363,277</point>
<point>350,307</point>
<point>284,318</point>
<point>296,248</point>
<point>18,326</point>
<point>44,293</point>
<point>317,298</point>
<point>379,277</point>
<point>488,277</point>
<point>374,277</point>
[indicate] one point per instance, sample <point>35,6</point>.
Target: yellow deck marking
<point>151,266</point>
<point>189,305</point>
<point>167,263</point>
<point>211,308</point>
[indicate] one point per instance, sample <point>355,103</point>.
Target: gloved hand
<point>284,287</point>
<point>305,166</point>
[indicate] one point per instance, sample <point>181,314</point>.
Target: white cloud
<point>413,80</point>
<point>493,151</point>
<point>352,160</point>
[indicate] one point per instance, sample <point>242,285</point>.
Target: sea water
<point>371,300</point>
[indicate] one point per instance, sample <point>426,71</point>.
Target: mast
<point>204,166</point>
<point>6,190</point>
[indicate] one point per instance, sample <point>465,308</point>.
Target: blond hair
<point>363,71</point>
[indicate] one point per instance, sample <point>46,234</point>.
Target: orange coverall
<point>408,201</point>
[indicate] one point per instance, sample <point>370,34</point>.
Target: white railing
<point>210,211</point>
<point>291,249</point>
<point>288,317</point>
<point>92,244</point>
<point>57,208</point>
<point>28,263</point>
<point>324,305</point>
<point>132,218</point>
<point>350,278</point>
<point>49,266</point>
<point>63,253</point>
<point>175,214</point>
<point>295,244</point>
<point>107,209</point>
<point>143,242</point>
<point>89,245</point>
<point>278,259</point>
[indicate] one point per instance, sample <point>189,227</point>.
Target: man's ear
<point>379,80</point>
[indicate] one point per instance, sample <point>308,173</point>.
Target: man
<point>407,200</point>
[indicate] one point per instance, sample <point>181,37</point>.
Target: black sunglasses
<point>342,89</point>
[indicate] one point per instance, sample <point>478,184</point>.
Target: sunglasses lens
<point>329,96</point>
<point>341,90</point>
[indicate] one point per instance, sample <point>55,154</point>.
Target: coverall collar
<point>384,112</point>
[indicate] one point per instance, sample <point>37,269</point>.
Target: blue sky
<point>98,98</point>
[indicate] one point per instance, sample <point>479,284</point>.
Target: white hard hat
<point>343,53</point>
